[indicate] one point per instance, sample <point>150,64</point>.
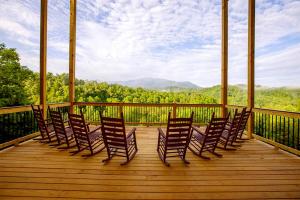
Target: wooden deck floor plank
<point>214,182</point>
<point>148,195</point>
<point>150,177</point>
<point>101,187</point>
<point>175,166</point>
<point>184,173</point>
<point>255,171</point>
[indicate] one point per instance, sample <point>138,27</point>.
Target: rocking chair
<point>116,140</point>
<point>45,126</point>
<point>63,133</point>
<point>231,130</point>
<point>243,125</point>
<point>84,137</point>
<point>175,141</point>
<point>208,140</point>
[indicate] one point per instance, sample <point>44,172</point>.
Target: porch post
<point>251,54</point>
<point>43,57</point>
<point>72,53</point>
<point>224,57</point>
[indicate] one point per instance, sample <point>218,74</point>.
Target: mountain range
<point>158,83</point>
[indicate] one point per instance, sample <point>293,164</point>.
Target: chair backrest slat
<point>215,129</point>
<point>57,122</point>
<point>38,114</point>
<point>79,127</point>
<point>243,122</point>
<point>178,131</point>
<point>113,131</point>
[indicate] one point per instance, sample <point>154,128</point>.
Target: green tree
<point>12,78</point>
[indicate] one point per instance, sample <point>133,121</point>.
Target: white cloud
<point>275,21</point>
<point>144,38</point>
<point>173,39</point>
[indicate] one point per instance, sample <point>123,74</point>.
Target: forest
<point>20,86</point>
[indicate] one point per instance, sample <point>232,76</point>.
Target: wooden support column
<point>174,110</point>
<point>72,53</point>
<point>224,75</point>
<point>43,57</point>
<point>251,54</point>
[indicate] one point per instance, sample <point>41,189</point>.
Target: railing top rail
<point>145,104</point>
<point>270,111</point>
<point>277,112</point>
<point>15,109</point>
<point>234,106</point>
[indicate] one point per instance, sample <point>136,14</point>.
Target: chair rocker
<point>117,142</point>
<point>84,137</point>
<point>231,130</point>
<point>45,126</point>
<point>175,141</point>
<point>207,140</point>
<point>63,133</point>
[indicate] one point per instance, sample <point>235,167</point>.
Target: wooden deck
<point>255,171</point>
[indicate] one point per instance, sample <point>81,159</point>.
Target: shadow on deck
<point>255,171</point>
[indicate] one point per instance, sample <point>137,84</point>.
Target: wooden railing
<point>146,113</point>
<point>18,122</point>
<point>279,128</point>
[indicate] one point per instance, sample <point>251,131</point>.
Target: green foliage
<point>12,78</point>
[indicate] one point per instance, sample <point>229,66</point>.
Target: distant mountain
<point>157,83</point>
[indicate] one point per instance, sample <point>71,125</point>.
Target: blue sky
<point>171,39</point>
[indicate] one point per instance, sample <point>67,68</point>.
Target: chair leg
<point>106,159</point>
<point>166,163</point>
<point>204,157</point>
<point>217,154</point>
<point>78,150</point>
<point>186,161</point>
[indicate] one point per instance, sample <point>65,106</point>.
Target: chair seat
<point>95,135</point>
<point>69,131</point>
<point>199,137</point>
<point>225,134</point>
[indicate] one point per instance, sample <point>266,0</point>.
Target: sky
<point>171,39</point>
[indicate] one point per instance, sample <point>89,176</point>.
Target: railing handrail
<point>15,109</point>
<point>144,104</point>
<point>271,111</point>
<point>277,112</point>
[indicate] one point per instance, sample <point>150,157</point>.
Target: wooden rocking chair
<point>84,137</point>
<point>45,126</point>
<point>63,133</point>
<point>116,140</point>
<point>208,140</point>
<point>231,130</point>
<point>243,125</point>
<point>175,141</point>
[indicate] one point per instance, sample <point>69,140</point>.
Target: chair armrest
<point>132,132</point>
<point>87,125</point>
<point>161,132</point>
<point>194,128</point>
<point>94,130</point>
